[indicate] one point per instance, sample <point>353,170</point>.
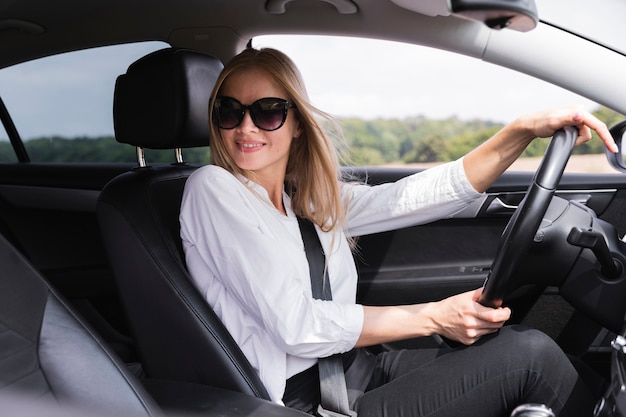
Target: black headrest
<point>162,101</point>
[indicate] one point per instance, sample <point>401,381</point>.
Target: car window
<point>62,106</point>
<point>398,104</point>
<point>405,104</point>
<point>7,154</point>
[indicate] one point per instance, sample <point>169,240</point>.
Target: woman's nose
<point>247,123</point>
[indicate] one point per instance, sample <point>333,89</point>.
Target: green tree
<point>366,156</point>
<point>102,149</point>
<point>369,142</point>
<point>428,149</point>
<point>461,144</point>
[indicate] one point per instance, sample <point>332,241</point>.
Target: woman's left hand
<point>488,161</point>
<point>546,123</point>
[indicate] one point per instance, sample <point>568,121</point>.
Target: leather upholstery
<point>162,102</point>
<point>177,333</point>
<point>47,352</point>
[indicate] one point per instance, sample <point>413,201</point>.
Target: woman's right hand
<point>461,318</point>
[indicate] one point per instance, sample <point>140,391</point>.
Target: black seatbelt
<point>334,394</point>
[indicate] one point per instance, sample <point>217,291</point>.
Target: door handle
<point>500,206</point>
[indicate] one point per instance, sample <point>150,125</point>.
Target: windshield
<point>601,21</point>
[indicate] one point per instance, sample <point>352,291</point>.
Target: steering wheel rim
<point>519,234</point>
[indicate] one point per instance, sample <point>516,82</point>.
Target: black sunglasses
<point>267,113</point>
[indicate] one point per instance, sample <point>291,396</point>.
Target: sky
<point>424,81</point>
<point>72,95</point>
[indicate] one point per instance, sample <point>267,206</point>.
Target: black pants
<point>490,378</point>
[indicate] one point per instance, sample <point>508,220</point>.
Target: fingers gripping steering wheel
<point>519,234</point>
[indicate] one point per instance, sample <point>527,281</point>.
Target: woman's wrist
<point>425,319</point>
<point>523,129</point>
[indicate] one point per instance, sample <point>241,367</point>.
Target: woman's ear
<point>297,130</point>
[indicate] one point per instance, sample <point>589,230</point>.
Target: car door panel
<point>426,263</point>
<point>433,261</point>
<point>48,211</point>
<point>429,262</point>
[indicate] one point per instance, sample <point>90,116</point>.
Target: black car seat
<point>162,103</point>
<point>53,363</point>
<point>48,352</point>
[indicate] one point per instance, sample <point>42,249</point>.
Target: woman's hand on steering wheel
<point>461,318</point>
<point>544,124</point>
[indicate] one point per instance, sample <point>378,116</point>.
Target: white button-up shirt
<point>248,260</point>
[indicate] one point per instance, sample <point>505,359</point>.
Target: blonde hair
<point>313,174</point>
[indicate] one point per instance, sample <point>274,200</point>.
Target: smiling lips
<point>249,147</point>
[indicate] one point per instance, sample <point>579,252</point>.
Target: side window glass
<point>7,154</point>
<point>62,105</point>
<point>402,104</point>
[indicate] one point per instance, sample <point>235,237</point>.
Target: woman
<point>273,162</point>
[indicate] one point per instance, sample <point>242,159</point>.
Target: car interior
<point>92,256</point>
<point>50,352</point>
<point>142,234</point>
<point>56,354</point>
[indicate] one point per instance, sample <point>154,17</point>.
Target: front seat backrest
<point>162,103</point>
<point>48,352</point>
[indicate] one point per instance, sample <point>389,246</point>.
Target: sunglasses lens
<point>228,113</point>
<point>266,113</point>
<point>269,113</point>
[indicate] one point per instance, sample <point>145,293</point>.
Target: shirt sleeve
<point>229,242</point>
<point>429,195</point>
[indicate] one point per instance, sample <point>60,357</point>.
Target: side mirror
<point>618,160</point>
<point>520,15</point>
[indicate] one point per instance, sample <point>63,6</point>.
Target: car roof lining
<point>200,25</point>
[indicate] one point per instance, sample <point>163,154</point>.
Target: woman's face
<point>265,153</point>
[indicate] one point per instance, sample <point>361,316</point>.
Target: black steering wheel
<point>519,234</point>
